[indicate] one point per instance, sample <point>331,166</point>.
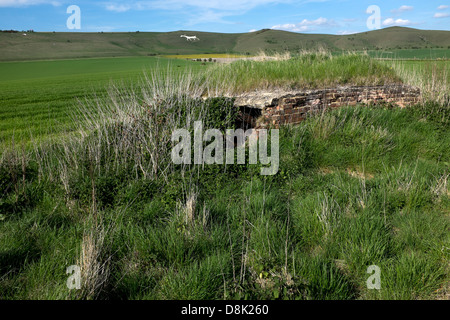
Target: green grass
<point>357,186</point>
<point>431,77</point>
<point>311,70</point>
<point>204,56</point>
<point>419,54</point>
<point>403,42</point>
<point>115,68</point>
<point>69,45</point>
<point>38,97</point>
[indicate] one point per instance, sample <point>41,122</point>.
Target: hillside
<point>61,45</point>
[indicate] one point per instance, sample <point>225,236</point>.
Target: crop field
<point>414,54</point>
<point>37,96</point>
<point>204,56</point>
<point>86,179</point>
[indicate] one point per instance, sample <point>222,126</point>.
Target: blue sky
<point>229,16</point>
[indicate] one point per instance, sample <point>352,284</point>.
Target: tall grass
<point>134,126</point>
<point>433,80</point>
<point>432,77</point>
<point>356,186</point>
<point>307,70</point>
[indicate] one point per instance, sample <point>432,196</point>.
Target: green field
<point>114,68</point>
<point>320,70</point>
<point>37,97</point>
<point>94,185</point>
<point>419,54</point>
<point>394,42</point>
<point>204,56</point>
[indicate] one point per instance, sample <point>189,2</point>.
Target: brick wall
<point>293,107</point>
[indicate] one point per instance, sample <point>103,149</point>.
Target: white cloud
<point>403,9</point>
<point>398,22</point>
<point>305,25</point>
<point>318,22</point>
<point>193,11</point>
<point>290,27</point>
<point>441,15</point>
<point>346,32</point>
<point>25,3</point>
<point>442,7</point>
<point>117,7</point>
<point>229,5</point>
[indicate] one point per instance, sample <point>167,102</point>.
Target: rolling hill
<point>61,45</point>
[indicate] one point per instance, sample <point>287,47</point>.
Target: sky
<point>229,16</point>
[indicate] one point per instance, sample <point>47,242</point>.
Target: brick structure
<point>261,109</point>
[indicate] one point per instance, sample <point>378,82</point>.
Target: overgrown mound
<point>308,70</point>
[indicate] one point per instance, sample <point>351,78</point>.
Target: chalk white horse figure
<point>189,38</point>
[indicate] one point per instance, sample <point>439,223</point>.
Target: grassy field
<point>389,42</point>
<point>204,56</point>
<point>357,186</point>
<point>316,70</point>
<point>432,77</point>
<point>414,54</point>
<point>37,96</point>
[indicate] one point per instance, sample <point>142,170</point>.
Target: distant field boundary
<point>204,56</point>
<point>400,42</point>
<point>413,59</point>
